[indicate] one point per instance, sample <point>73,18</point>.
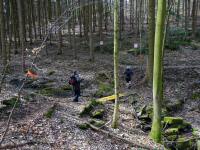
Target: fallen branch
<point>119,138</point>
<point>12,146</point>
<point>10,115</point>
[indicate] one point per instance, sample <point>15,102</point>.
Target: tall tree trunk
<point>116,63</point>
<point>21,30</point>
<point>74,34</point>
<point>158,72</point>
<point>186,14</point>
<point>3,33</point>
<point>90,33</point>
<point>60,30</point>
<point>178,13</point>
<point>151,35</point>
<point>194,18</point>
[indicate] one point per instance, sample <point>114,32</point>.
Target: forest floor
<point>30,126</point>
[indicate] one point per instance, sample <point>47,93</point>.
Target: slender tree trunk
<point>3,33</point>
<point>178,13</point>
<point>91,34</point>
<point>60,31</point>
<point>74,35</point>
<point>116,63</point>
<point>21,30</point>
<point>158,72</point>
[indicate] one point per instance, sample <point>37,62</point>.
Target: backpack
<point>72,80</point>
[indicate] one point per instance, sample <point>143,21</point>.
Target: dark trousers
<point>77,93</point>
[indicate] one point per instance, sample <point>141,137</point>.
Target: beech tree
<point>116,64</point>
<point>158,71</point>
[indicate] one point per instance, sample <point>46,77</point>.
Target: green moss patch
<point>104,89</point>
<point>59,92</point>
<point>83,126</point>
<point>97,123</point>
<point>11,102</point>
<point>50,112</point>
<point>98,113</point>
<point>173,120</point>
<point>196,96</point>
<point>89,107</point>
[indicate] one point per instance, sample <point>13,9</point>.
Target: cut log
<point>109,98</point>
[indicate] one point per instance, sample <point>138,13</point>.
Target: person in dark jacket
<point>75,82</point>
<point>128,76</point>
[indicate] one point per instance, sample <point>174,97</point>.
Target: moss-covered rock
<point>89,107</point>
<point>173,120</point>
<point>176,105</point>
<point>146,112</point>
<point>97,123</point>
<point>98,113</point>
<point>185,143</point>
<point>173,137</point>
<point>184,127</point>
<point>83,126</point>
<point>171,131</point>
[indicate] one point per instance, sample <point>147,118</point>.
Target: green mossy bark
<point>116,63</point>
<point>158,71</point>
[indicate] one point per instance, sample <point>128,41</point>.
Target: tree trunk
<point>151,35</point>
<point>21,31</point>
<point>90,33</point>
<point>3,34</point>
<point>116,63</point>
<point>158,72</point>
<point>194,18</point>
<point>60,30</point>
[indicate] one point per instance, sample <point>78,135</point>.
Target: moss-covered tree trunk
<point>116,63</point>
<point>151,35</point>
<point>158,72</point>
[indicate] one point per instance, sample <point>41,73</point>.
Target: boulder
<point>89,107</point>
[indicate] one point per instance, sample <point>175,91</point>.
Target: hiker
<point>75,82</point>
<point>128,75</point>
